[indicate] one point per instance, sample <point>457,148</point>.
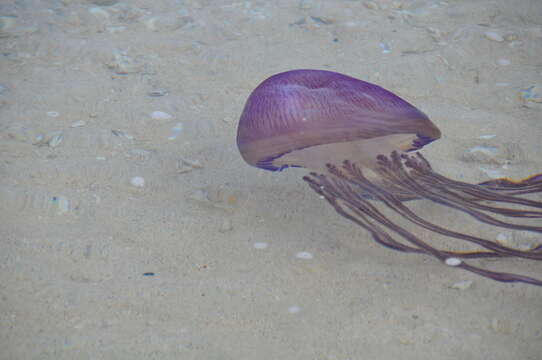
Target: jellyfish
<point>361,144</point>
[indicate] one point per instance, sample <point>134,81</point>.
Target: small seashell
<point>511,37</point>
<point>491,173</point>
<point>226,226</point>
<point>305,255</point>
<point>78,124</point>
<point>160,115</point>
<point>532,94</point>
<point>294,309</point>
<point>158,92</point>
<point>187,165</point>
<point>54,139</point>
<point>115,29</point>
<point>121,133</point>
<point>453,261</point>
<point>487,137</point>
<point>260,245</point>
<point>371,5</point>
<point>140,152</point>
<point>99,12</point>
<point>493,36</point>
<point>52,114</point>
<point>462,285</point>
<point>321,20</point>
<point>502,326</point>
<point>62,203</point>
<point>137,181</point>
<point>7,23</point>
<point>104,2</point>
<point>167,22</point>
<point>385,48</point>
<point>124,64</point>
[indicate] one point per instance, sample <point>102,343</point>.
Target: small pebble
<point>503,62</point>
<point>260,245</point>
<point>148,274</point>
<point>453,261</point>
<point>294,309</point>
<point>137,181</point>
<point>52,114</point>
<point>305,255</point>
<point>160,115</point>
<point>492,35</point>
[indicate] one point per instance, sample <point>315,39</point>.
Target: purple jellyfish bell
<point>356,137</point>
<point>290,115</point>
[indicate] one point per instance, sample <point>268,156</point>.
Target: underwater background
<point>131,228</point>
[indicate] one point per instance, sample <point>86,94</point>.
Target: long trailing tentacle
<point>493,190</point>
<point>437,192</point>
<point>348,191</point>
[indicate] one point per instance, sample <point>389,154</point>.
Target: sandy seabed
<point>132,229</point>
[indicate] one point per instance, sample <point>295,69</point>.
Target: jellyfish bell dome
<point>310,118</point>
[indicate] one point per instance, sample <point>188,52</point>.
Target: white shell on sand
<point>137,181</point>
<point>161,115</point>
<point>494,36</point>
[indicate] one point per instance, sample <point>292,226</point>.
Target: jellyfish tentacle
<point>478,191</point>
<point>395,204</point>
<point>379,235</point>
<point>336,191</point>
<point>531,184</point>
<point>500,276</point>
<point>346,193</point>
<point>462,193</point>
<point>393,169</point>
